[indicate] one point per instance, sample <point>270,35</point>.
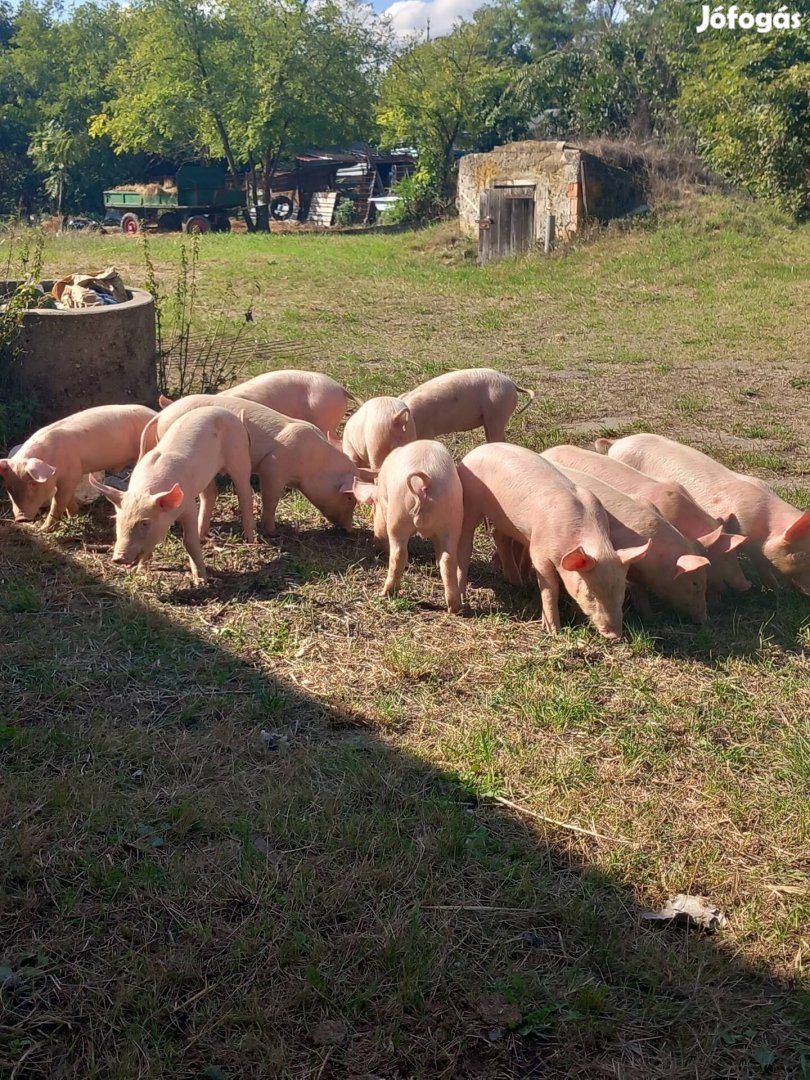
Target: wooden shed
<point>361,173</point>
<point>506,197</point>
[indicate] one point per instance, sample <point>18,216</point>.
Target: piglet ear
<point>5,468</point>
<point>363,491</point>
<point>367,474</point>
<point>729,542</point>
<point>578,560</point>
<point>688,564</point>
<point>799,528</point>
<point>333,440</point>
<point>169,500</point>
<point>113,494</point>
<point>711,538</point>
<point>633,554</point>
<point>38,470</point>
<point>163,401</point>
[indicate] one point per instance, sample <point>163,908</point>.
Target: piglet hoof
<point>48,525</point>
<point>268,530</point>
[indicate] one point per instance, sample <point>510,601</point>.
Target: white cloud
<point>409,17</point>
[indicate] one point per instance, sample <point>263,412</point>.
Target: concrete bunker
<point>514,188</point>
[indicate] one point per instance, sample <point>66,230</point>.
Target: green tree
<point>314,75</point>
<point>747,101</point>
<point>251,82</point>
<point>616,81</point>
<point>53,77</point>
<point>55,151</point>
<point>445,95</point>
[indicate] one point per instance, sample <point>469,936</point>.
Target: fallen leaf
<point>763,1056</point>
<point>692,910</point>
<point>329,1033</point>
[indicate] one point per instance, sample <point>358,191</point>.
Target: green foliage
<point>421,199</point>
<point>616,83</point>
<point>441,96</point>
<point>248,81</point>
<point>55,151</point>
<point>25,267</point>
<point>186,363</point>
<point>748,102</point>
<point>346,211</point>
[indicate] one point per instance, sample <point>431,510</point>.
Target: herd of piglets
<point>643,517</point>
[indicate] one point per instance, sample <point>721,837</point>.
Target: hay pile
<point>161,187</point>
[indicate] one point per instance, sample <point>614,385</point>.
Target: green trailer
<point>200,201</point>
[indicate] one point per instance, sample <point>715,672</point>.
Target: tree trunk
<point>60,192</point>
<point>268,168</point>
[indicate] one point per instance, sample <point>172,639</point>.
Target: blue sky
<point>408,17</point>
<point>411,16</point>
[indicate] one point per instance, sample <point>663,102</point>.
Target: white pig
<point>51,463</point>
<point>301,395</point>
<point>378,426</point>
<point>674,568</point>
<point>463,400</point>
<point>166,481</point>
<point>674,502</point>
<point>418,492</point>
<point>565,529</point>
<point>284,453</point>
<point>778,533</point>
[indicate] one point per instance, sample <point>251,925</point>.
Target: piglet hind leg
<point>208,500</point>
<point>397,563</point>
<point>238,467</point>
<point>446,548</point>
<point>495,430</point>
<point>244,495</point>
<point>191,542</point>
<point>272,485</point>
<point>465,547</point>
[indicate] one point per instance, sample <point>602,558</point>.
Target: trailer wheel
<point>281,208</point>
<point>130,224</point>
<point>196,223</point>
<point>169,222</point>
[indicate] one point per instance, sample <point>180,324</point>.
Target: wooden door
<point>506,223</point>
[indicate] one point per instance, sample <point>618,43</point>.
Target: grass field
<point>347,895</point>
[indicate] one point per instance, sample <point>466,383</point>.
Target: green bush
<point>16,411</point>
<point>421,199</point>
<point>346,212</point>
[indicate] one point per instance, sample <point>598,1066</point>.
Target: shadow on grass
<point>182,896</point>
